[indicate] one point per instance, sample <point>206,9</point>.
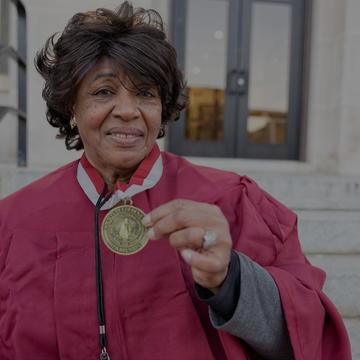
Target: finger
<point>175,206</point>
<point>208,276</point>
<point>209,262</point>
<point>191,238</point>
<point>181,219</point>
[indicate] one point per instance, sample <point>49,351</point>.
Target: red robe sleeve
<point>266,231</point>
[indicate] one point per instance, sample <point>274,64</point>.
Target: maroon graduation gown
<point>47,275</point>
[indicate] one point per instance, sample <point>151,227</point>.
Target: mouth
<point>125,136</point>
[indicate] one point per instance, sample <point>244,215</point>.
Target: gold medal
<point>122,230</point>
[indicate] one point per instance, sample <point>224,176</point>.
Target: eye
<point>146,93</point>
<point>103,92</point>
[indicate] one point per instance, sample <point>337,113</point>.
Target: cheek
<point>91,117</point>
<point>155,121</point>
<point>83,106</point>
<point>154,129</point>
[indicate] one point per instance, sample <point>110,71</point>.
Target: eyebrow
<point>104,75</point>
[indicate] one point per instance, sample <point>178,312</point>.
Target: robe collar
<point>145,177</point>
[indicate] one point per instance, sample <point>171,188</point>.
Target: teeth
<point>124,136</point>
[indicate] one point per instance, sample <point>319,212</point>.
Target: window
<point>17,54</point>
<point>4,34</point>
<point>243,62</point>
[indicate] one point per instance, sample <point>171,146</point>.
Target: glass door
<point>269,112</point>
<point>201,35</point>
<point>269,57</point>
<point>243,63</point>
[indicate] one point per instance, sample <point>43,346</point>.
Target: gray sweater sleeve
<point>258,317</point>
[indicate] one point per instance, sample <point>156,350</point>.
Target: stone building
<point>273,94</point>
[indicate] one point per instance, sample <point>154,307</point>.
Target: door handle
<point>237,81</point>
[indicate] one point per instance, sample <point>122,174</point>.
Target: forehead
<point>107,68</point>
<point>104,68</point>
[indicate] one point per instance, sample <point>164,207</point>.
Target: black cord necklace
<point>99,281</point>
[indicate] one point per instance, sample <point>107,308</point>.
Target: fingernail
<point>151,234</point>
<point>186,255</point>
<point>146,220</point>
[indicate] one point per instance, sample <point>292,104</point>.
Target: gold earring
<point>73,123</point>
<point>161,131</point>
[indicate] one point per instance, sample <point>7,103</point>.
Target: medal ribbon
<point>145,177</point>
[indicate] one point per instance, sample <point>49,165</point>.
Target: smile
<point>125,137</point>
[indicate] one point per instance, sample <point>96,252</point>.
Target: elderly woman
<point>223,276</point>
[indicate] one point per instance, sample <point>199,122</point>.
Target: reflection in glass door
<point>205,51</point>
<point>269,73</point>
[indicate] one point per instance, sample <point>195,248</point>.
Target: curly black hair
<point>133,38</point>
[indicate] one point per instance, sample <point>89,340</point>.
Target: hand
<point>185,222</point>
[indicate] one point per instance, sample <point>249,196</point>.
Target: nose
<point>126,105</point>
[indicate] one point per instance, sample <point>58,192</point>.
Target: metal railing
<point>19,56</point>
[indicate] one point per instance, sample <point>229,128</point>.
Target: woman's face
<point>117,121</point>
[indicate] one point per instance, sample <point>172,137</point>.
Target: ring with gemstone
<point>209,239</point>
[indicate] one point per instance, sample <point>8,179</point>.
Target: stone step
<point>329,232</point>
<point>353,328</point>
<point>312,191</point>
<point>13,178</point>
<point>343,288</point>
<point>343,281</point>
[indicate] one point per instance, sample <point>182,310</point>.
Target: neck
<point>114,177</point>
<point>111,175</point>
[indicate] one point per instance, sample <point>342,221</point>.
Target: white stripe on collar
<point>89,188</point>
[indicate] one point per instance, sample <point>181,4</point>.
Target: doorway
<point>243,62</point>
